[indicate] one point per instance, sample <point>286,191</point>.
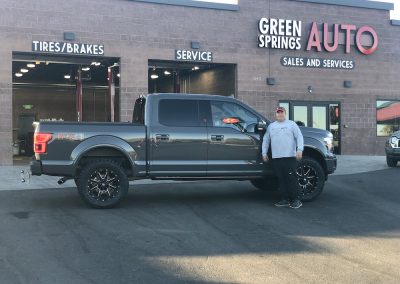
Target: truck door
<point>178,139</point>
<point>234,147</point>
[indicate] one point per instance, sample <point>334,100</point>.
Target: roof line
<point>192,3</point>
<point>395,22</point>
<point>355,3</point>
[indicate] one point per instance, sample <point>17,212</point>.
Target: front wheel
<point>102,184</point>
<point>391,162</point>
<point>311,177</point>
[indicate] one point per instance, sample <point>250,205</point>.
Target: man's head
<point>280,114</point>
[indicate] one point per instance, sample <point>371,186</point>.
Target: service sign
<point>67,47</point>
<point>292,61</point>
<point>193,55</point>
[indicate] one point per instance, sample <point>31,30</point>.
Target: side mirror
<point>261,126</point>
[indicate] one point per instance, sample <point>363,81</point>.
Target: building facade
<point>332,64</point>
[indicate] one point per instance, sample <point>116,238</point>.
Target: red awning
<point>388,113</point>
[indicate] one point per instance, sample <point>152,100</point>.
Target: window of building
<point>387,117</point>
<point>178,112</point>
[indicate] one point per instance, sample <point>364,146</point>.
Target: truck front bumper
<point>36,167</point>
<point>393,153</point>
<point>331,164</point>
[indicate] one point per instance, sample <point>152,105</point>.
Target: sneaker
<point>296,204</point>
<point>282,203</point>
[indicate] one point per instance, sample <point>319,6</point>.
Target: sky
<point>393,14</point>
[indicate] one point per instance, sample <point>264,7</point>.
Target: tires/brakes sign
<point>67,47</point>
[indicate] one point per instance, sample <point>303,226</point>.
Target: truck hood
<point>315,132</point>
<point>396,133</point>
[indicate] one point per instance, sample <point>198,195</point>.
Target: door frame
<point>309,105</point>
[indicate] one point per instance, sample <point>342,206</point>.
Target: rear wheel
<point>102,184</point>
<point>311,177</point>
<point>391,162</point>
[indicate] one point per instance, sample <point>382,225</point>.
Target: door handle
<point>217,138</point>
<point>162,137</point>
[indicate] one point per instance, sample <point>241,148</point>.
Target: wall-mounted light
<point>118,75</point>
<point>348,84</point>
<point>195,68</point>
<point>27,107</point>
<point>153,76</point>
<point>23,70</point>
<point>87,68</point>
<point>310,89</point>
<point>271,81</point>
<point>69,36</point>
<point>30,65</point>
<point>18,74</point>
<point>67,76</point>
<point>166,72</point>
<point>95,63</point>
<point>195,44</point>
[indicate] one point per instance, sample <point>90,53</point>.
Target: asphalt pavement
<point>205,232</point>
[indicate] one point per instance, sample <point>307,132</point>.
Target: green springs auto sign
<point>287,34</point>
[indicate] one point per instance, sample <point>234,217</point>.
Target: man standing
<point>287,146</point>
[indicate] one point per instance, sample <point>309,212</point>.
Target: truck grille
<point>397,145</point>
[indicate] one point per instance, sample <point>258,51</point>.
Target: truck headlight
<point>329,143</point>
<point>394,141</point>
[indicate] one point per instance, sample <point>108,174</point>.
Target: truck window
<point>221,110</point>
<point>138,111</point>
<point>178,112</point>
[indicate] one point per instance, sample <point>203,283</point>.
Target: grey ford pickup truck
<point>392,149</point>
<point>175,137</point>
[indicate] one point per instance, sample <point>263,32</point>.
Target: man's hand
<point>265,158</point>
<point>299,155</point>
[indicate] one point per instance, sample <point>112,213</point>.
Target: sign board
<point>287,34</point>
<point>67,47</point>
<point>193,55</point>
<point>292,61</point>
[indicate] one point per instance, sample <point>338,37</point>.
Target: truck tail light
<point>40,142</point>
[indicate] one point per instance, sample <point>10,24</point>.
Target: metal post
<point>79,113</point>
<point>111,92</point>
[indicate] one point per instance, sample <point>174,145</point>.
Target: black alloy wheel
<point>103,184</point>
<point>311,177</point>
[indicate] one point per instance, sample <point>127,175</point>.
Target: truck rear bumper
<point>36,167</point>
<point>52,168</point>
